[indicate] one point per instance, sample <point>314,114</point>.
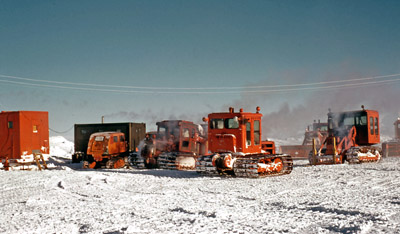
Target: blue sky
<point>189,44</point>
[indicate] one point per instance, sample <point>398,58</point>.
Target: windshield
<point>99,138</point>
<point>324,128</point>
<point>232,123</point>
<point>217,124</point>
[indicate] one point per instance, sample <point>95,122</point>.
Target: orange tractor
<point>106,149</point>
<point>351,137</point>
<point>234,139</point>
<point>176,145</point>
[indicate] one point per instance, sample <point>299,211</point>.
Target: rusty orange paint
<point>120,163</point>
<point>235,132</point>
<point>106,145</point>
<point>92,165</point>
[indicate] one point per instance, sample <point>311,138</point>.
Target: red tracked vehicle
<point>106,149</point>
<point>176,145</point>
<point>351,137</point>
<point>234,138</point>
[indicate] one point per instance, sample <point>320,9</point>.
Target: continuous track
<point>176,161</point>
<point>136,161</point>
<point>246,166</point>
<point>363,154</point>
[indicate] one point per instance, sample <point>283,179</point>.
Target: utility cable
<point>207,92</point>
<point>202,88</point>
<point>63,131</point>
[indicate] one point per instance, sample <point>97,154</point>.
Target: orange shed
<point>22,132</point>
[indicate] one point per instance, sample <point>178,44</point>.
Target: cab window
<point>348,121</point>
<point>323,128</point>
<point>376,127</point>
<point>232,123</point>
<point>121,138</point>
<point>217,124</point>
<point>115,138</point>
<point>162,132</point>
<point>363,120</point>
<point>256,132</point>
<point>185,133</point>
<point>371,125</point>
<point>99,138</point>
<point>248,133</point>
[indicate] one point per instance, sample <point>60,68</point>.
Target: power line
<point>260,90</point>
<point>197,88</point>
<point>62,131</point>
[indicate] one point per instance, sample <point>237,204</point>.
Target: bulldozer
<point>317,131</point>
<point>392,148</point>
<point>352,137</point>
<point>106,149</point>
<point>236,149</point>
<point>176,145</point>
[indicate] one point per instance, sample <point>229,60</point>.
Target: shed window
<point>10,124</point>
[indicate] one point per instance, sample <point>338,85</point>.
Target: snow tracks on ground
<point>327,199</point>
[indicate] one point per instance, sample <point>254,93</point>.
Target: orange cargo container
<point>21,133</point>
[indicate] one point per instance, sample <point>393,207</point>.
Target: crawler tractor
<point>106,149</point>
<point>351,137</point>
<point>234,139</point>
<point>176,145</point>
<point>317,131</point>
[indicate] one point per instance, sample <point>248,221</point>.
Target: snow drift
<point>344,198</point>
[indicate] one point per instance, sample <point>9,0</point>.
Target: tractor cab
<point>234,131</point>
<point>178,135</point>
<point>363,124</point>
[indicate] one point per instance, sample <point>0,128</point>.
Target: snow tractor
<point>317,131</point>
<point>392,148</point>
<point>134,133</point>
<point>234,138</point>
<point>176,145</point>
<point>351,137</point>
<point>106,149</point>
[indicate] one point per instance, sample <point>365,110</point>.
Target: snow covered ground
<point>345,198</point>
